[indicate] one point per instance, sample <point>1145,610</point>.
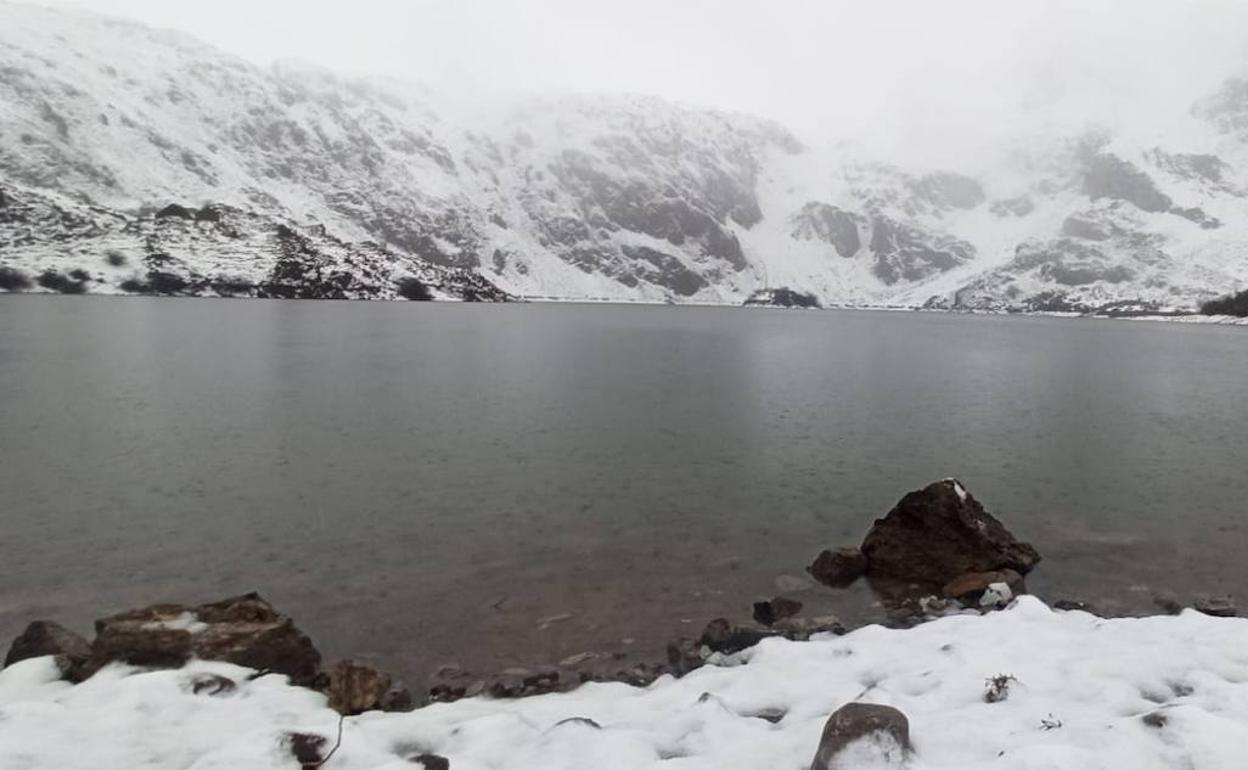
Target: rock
<point>432,762</point>
<point>722,636</point>
<point>1167,602</point>
<point>1155,719</point>
<point>778,608</point>
<point>1073,605</point>
<point>356,687</point>
<point>683,656</point>
<point>1108,176</point>
<point>939,533</point>
<point>174,210</point>
<point>44,637</point>
<point>970,588</point>
<point>308,749</point>
<point>243,630</point>
<point>397,698</point>
<point>838,568</point>
<point>1217,606</point>
<point>861,720</point>
<point>801,629</point>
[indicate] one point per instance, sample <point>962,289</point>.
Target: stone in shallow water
<point>778,608</point>
<point>838,568</point>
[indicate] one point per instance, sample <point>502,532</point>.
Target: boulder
<point>778,608</point>
<point>243,630</point>
<point>44,637</point>
<point>971,587</point>
<point>432,762</point>
<point>855,721</point>
<point>838,568</point>
<point>939,533</point>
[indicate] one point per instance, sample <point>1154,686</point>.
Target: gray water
<point>422,484</point>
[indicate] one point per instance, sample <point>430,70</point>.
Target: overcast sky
<point>822,66</point>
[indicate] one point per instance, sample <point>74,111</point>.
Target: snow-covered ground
<point>1081,689</point>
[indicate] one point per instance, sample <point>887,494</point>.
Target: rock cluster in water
<point>938,539</point>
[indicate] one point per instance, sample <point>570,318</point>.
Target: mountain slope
<point>622,198</point>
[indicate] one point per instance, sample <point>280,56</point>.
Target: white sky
<point>921,70</point>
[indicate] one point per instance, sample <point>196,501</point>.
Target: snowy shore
<point>1159,693</point>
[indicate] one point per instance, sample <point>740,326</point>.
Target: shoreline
<point>1177,316</point>
<point>1035,681</point>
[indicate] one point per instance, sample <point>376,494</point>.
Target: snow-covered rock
<point>583,197</point>
<point>1160,693</point>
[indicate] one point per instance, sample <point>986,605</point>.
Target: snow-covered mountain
<point>136,160</point>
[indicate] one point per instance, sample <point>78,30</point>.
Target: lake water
<point>503,484</point>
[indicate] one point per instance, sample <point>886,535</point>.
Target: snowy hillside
<point>600,197</point>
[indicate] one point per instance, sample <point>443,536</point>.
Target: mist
<point>911,79</point>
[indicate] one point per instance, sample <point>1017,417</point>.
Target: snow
<point>1096,678</point>
<point>128,117</point>
<point>187,621</point>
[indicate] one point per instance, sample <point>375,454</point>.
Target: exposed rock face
<point>839,568</point>
<point>828,223</point>
<point>44,637</point>
<point>904,252</point>
<point>1108,176</point>
<point>856,721</point>
<point>244,630</point>
<point>939,533</point>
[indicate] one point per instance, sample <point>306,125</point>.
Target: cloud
<point>918,75</point>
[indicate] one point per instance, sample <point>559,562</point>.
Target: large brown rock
<point>855,721</point>
<point>939,533</point>
<point>243,630</point>
<point>44,637</point>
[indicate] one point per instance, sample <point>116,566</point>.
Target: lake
<point>511,484</point>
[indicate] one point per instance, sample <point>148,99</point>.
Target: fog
<point>929,77</point>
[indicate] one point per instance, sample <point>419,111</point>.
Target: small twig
<point>337,744</point>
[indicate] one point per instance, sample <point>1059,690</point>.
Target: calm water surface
<point>424,484</point>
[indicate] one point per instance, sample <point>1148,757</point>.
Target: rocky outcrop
<point>244,630</point>
<point>821,221</point>
<point>906,252</point>
<point>1108,176</point>
<point>886,728</point>
<point>217,251</point>
<point>782,297</point>
<point>939,533</point>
